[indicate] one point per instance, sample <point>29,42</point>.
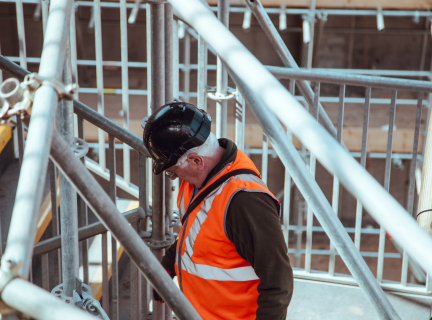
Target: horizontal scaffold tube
<point>350,79</point>
<point>97,199</point>
<point>85,112</point>
<point>86,232</point>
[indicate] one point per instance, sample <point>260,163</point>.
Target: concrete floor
<point>319,300</point>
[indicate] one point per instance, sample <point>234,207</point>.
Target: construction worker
<point>230,257</point>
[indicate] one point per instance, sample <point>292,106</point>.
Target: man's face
<point>189,171</point>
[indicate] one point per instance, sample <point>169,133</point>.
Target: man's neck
<point>212,163</point>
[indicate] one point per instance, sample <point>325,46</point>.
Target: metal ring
<point>79,147</point>
<point>160,244</point>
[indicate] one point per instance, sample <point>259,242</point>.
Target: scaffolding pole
<point>34,167</point>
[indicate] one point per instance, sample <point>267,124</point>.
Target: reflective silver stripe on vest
<point>213,273</point>
<point>204,271</point>
<point>182,209</point>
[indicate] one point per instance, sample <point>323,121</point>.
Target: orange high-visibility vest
<point>216,280</point>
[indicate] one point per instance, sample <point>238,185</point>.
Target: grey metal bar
<point>33,170</point>
<point>134,279</point>
<point>350,79</point>
<point>54,223</point>
<point>387,170</point>
<point>411,187</point>
<point>83,214</point>
<point>158,100</point>
<point>21,33</point>
<point>312,170</point>
<point>114,258</point>
<point>169,94</point>
<point>20,129</point>
<point>359,207</point>
<point>240,109</point>
<point>312,33</point>
<point>144,206</point>
<point>324,213</point>
<point>68,196</point>
<point>32,300</point>
<point>264,159</point>
<point>222,77</point>
<point>287,182</point>
<point>85,232</point>
<point>99,78</point>
<point>106,211</point>
<point>335,197</point>
<point>105,289</point>
<point>287,59</point>
<point>186,68</point>
<point>125,86</point>
<point>176,70</point>
<point>45,272</point>
<point>202,74</point>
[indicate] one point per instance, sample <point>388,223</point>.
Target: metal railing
<point>260,97</point>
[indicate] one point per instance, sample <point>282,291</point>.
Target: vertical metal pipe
<point>222,77</point>
<point>169,94</point>
<point>45,5</point>
<point>287,180</point>
<point>29,193</point>
<point>264,159</point>
<point>45,272</point>
<point>23,63</point>
<point>186,69</point>
<point>55,222</point>
<point>202,74</point>
<point>83,214</point>
<point>158,99</point>
<point>312,169</point>
<point>68,195</point>
<point>382,236</point>
<point>99,78</point>
<point>105,289</point>
<point>144,203</point>
<point>359,208</point>
<point>176,70</point>
<point>21,33</point>
<point>335,198</point>
<point>411,187</point>
<point>114,258</point>
<point>312,34</point>
<point>239,121</point>
<point>74,60</point>
<point>125,87</point>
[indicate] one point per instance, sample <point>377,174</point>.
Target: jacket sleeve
<point>253,226</point>
<point>168,261</point>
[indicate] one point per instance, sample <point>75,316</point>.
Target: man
<point>230,257</point>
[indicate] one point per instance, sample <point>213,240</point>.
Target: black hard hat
<point>172,130</point>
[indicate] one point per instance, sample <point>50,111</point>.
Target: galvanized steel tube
<point>222,77</point>
<point>107,212</point>
<point>158,100</point>
<point>68,195</point>
<point>39,304</point>
<point>29,193</point>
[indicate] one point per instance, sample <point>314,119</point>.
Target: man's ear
<point>197,160</point>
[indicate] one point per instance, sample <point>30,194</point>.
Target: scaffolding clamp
<point>18,97</point>
<point>157,244</point>
<point>217,96</point>
<point>7,274</point>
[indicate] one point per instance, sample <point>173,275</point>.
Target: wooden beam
<point>377,139</point>
<point>346,4</point>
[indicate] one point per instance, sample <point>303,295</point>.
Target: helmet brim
<point>159,167</point>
